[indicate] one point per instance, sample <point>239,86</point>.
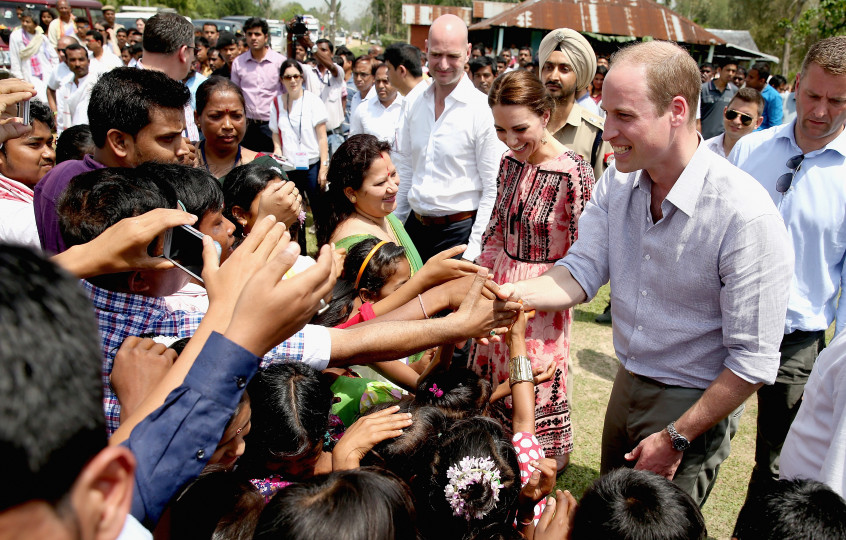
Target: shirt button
<point>201,453</point>
<point>646,256</point>
<point>242,382</point>
<point>643,293</point>
<point>639,327</point>
<point>632,358</point>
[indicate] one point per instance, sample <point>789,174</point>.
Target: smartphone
<point>23,111</point>
<point>183,246</point>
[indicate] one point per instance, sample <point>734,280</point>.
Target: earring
<point>353,199</point>
<point>543,139</point>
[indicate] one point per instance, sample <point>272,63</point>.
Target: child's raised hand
<point>544,374</point>
<point>138,367</point>
<point>518,329</point>
<point>365,433</point>
<point>556,523</point>
<point>540,483</point>
<point>281,199</point>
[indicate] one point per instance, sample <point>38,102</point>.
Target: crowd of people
<point>377,339</point>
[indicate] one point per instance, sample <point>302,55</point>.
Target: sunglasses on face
<point>745,119</point>
<point>290,77</point>
<point>785,180</point>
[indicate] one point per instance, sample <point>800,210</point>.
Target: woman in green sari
<point>363,185</point>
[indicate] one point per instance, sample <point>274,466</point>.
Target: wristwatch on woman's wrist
<point>326,163</point>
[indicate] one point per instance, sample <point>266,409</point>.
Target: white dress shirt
<point>296,130</point>
<point>715,144</point>
<point>107,62</point>
<point>358,100</point>
<point>377,120</point>
<point>330,87</point>
<point>449,165</point>
<point>72,101</point>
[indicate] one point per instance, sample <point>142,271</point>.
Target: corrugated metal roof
<point>483,9</point>
<point>638,18</point>
<point>426,14</point>
<point>741,38</point>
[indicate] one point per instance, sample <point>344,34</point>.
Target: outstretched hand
<point>271,309</point>
<point>442,267</point>
<point>139,365</point>
<point>123,246</point>
<point>478,317</point>
<point>367,432</point>
<point>281,199</point>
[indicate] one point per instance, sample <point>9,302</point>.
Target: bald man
<point>449,155</point>
<point>63,25</point>
<point>700,266</point>
<point>567,66</point>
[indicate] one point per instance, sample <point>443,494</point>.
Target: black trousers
<point>432,239</point>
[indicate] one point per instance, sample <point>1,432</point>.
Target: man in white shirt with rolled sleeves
<point>449,155</point>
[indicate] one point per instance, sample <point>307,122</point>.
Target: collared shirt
<point>703,289</point>
<point>715,144</point>
<point>358,100</point>
<point>330,87</point>
<point>407,103</point>
<point>72,99</point>
<point>107,62</point>
<point>814,212</point>
<point>772,108</point>
<point>167,454</point>
<point>194,82</point>
<point>46,198</point>
<point>711,105</point>
<point>789,108</point>
<point>816,443</point>
<point>259,81</point>
<point>579,133</point>
<point>120,315</point>
<point>449,165</point>
<point>377,120</point>
<point>297,130</point>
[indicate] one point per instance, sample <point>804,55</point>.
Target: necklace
<point>206,161</point>
<point>387,230</point>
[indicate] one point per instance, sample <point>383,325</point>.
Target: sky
<point>351,9</point>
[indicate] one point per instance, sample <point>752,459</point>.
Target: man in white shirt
<point>362,76</point>
<point>327,81</point>
<point>31,56</point>
<point>59,73</point>
<point>63,25</point>
<point>75,90</point>
<point>449,161</point>
<point>102,58</point>
<point>379,117</point>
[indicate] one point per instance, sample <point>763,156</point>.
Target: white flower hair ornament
<point>469,471</point>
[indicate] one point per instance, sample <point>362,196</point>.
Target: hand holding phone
<point>183,246</point>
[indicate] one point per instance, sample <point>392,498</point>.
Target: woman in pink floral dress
<point>542,189</point>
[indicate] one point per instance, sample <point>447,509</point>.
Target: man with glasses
<point>715,97</point>
<point>741,116</point>
<point>379,117</point>
<point>363,80</point>
<point>257,73</point>
<point>802,165</point>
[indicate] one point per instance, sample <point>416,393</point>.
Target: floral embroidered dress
<point>534,223</point>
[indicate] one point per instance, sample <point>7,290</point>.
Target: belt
<point>653,382</point>
<point>445,220</point>
<point>259,122</point>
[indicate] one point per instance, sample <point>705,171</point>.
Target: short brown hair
<point>749,95</point>
<point>829,54</point>
<point>521,88</point>
<point>670,72</point>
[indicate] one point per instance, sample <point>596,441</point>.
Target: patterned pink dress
<point>534,223</point>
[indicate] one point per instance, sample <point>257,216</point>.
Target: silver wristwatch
<point>680,442</point>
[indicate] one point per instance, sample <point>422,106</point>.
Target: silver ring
<point>493,333</point>
<point>323,307</point>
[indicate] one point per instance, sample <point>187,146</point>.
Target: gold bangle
<point>520,370</point>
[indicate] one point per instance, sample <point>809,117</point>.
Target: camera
<point>299,28</point>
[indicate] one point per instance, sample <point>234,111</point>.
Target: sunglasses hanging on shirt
<point>785,180</point>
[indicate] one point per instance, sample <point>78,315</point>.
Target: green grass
<point>594,365</point>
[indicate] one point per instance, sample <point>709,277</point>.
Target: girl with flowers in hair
<point>479,481</point>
